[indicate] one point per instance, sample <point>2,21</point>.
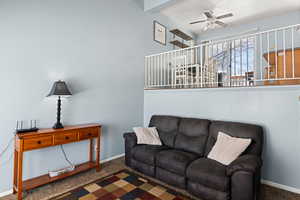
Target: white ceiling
<point>185,11</point>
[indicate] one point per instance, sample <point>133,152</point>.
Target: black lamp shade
<point>59,88</point>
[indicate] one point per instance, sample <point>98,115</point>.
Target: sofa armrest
<point>130,142</point>
<point>248,163</point>
<point>130,139</point>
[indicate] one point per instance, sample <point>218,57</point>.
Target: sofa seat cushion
<point>175,161</point>
<point>209,173</point>
<point>146,153</point>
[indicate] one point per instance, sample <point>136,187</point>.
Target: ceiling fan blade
<point>220,23</point>
<point>196,22</point>
<point>208,14</point>
<point>225,16</point>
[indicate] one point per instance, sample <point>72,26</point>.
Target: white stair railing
<point>266,58</point>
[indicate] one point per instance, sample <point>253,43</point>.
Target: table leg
<point>15,171</point>
<point>20,171</point>
<point>98,153</point>
<point>91,150</point>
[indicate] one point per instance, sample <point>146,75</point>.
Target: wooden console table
<point>52,137</point>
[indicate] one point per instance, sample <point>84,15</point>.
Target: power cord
<point>65,155</point>
<point>5,150</point>
<point>8,160</point>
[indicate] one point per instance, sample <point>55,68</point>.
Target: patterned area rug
<point>123,185</point>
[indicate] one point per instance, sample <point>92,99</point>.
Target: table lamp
<point>59,89</point>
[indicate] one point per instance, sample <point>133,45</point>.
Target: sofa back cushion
<point>167,127</point>
<point>235,129</point>
<point>192,135</point>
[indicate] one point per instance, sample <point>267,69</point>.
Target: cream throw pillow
<point>147,136</point>
<point>228,148</point>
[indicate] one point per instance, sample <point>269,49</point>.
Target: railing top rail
<point>227,39</point>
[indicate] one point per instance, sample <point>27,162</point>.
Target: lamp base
<point>58,125</point>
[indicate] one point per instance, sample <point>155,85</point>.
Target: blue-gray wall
<point>98,47</point>
<point>277,109</point>
<point>155,4</point>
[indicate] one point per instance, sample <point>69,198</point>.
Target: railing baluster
<point>276,55</point>
<point>164,69</point>
<point>175,70</point>
<point>172,68</point>
<point>196,68</point>
<point>157,72</point>
<point>268,40</point>
<point>186,67</point>
<point>146,72</point>
<point>150,72</point>
<point>212,67</point>
<point>154,70</point>
<point>293,53</point>
<point>284,54</point>
<point>161,69</point>
<point>150,69</point>
<point>241,60</point>
<point>255,60</point>
<point>216,80</point>
<point>167,68</point>
<point>247,55</point>
<point>228,64</point>
<point>201,65</point>
<point>209,66</point>
<point>192,67</point>
<point>235,62</point>
<point>261,57</point>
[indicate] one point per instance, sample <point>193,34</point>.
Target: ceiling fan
<point>211,19</point>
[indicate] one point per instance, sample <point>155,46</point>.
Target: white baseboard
<point>280,186</point>
<point>2,194</point>
<point>112,158</point>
